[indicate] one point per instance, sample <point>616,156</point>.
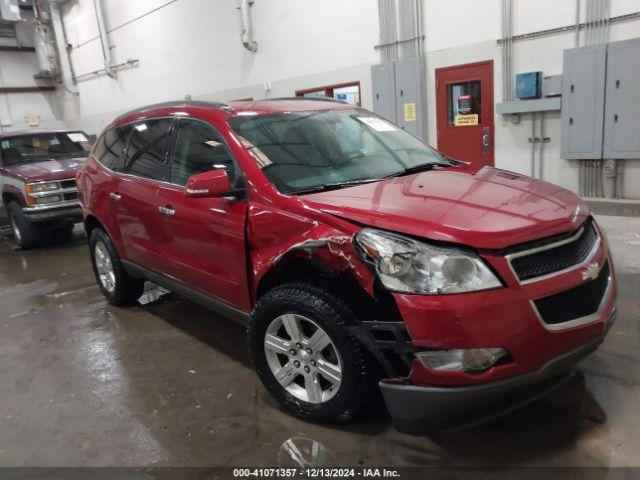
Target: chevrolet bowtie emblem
<point>591,271</point>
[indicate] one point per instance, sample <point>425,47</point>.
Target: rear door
<point>203,241</point>
<point>103,196</point>
<point>146,164</point>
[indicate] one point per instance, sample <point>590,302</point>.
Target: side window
<point>147,153</point>
<point>110,148</point>
<point>199,148</point>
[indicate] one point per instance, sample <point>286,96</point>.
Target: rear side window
<point>110,148</point>
<point>199,148</point>
<point>147,153</point>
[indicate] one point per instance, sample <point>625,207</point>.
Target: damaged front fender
<point>277,236</point>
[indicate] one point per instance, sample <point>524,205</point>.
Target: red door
<point>464,102</point>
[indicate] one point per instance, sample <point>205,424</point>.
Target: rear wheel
<point>25,233</point>
<point>116,284</point>
<point>305,354</point>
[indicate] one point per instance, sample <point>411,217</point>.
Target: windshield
<point>310,151</point>
<point>38,147</point>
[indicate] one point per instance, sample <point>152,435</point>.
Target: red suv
<point>37,180</point>
<point>353,252</point>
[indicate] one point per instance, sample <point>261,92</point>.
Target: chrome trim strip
<point>51,206</point>
<point>52,181</point>
<point>551,246</point>
<point>582,320</point>
<point>50,193</point>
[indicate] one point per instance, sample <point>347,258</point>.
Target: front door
<point>203,239</point>
<point>464,102</point>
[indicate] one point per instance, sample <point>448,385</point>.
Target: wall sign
<point>465,120</point>
<point>409,112</point>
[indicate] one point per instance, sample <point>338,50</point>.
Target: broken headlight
<point>409,266</point>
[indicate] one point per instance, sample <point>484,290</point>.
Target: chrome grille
<point>555,257</point>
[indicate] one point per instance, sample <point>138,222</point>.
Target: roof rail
<point>175,103</point>
<point>313,99</point>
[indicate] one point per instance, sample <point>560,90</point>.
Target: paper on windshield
<point>77,137</point>
<point>378,124</point>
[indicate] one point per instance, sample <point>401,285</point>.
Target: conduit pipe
<point>247,30</point>
<point>577,37</point>
<point>61,44</point>
<point>104,39</point>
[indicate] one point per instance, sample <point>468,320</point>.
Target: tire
<point>116,284</point>
<point>299,304</point>
<point>25,233</point>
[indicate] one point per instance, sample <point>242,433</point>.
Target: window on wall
<point>346,92</point>
<point>464,100</point>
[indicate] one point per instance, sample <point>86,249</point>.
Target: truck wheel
<point>306,356</point>
<point>25,233</point>
<point>116,284</point>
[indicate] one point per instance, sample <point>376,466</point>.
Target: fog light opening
<point>475,360</point>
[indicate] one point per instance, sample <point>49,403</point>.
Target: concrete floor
<point>168,383</point>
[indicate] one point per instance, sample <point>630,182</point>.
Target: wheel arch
<point>91,223</point>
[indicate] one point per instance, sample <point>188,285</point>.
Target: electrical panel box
<point>10,11</point>
<point>528,85</point>
<point>399,94</point>
<point>410,95</point>
<point>383,81</point>
<point>622,107</point>
<point>583,88</point>
<point>552,86</point>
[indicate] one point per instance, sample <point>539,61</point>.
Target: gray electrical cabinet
<point>399,94</point>
<point>583,91</point>
<point>383,81</point>
<point>622,108</point>
<point>410,101</point>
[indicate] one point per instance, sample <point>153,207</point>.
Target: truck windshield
<point>302,152</point>
<point>38,147</point>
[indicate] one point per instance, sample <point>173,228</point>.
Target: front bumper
<point>541,354</point>
<point>71,211</point>
<point>418,410</point>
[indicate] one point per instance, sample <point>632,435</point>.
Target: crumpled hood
<point>484,208</point>
<point>47,170</point>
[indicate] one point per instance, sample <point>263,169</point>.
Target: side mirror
<point>211,184</point>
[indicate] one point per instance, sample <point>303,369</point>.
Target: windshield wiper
<point>335,186</point>
<point>423,167</point>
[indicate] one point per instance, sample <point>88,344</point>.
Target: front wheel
<point>116,284</point>
<point>25,233</point>
<point>305,354</point>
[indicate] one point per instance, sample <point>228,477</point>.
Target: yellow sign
<point>463,120</point>
<point>409,112</point>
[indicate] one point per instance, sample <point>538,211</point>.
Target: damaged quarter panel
<point>276,235</point>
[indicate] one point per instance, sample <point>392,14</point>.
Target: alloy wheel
<point>104,266</point>
<point>15,230</point>
<point>303,358</point>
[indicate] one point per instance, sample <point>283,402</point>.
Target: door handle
<point>115,196</point>
<point>168,211</point>
<point>486,141</point>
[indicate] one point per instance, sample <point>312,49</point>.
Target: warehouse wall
<point>464,31</point>
<point>17,70</point>
<point>192,47</point>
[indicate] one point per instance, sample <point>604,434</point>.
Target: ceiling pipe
<point>104,39</point>
<point>247,30</point>
<point>61,43</point>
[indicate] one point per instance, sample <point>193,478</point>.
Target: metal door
<point>464,104</point>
